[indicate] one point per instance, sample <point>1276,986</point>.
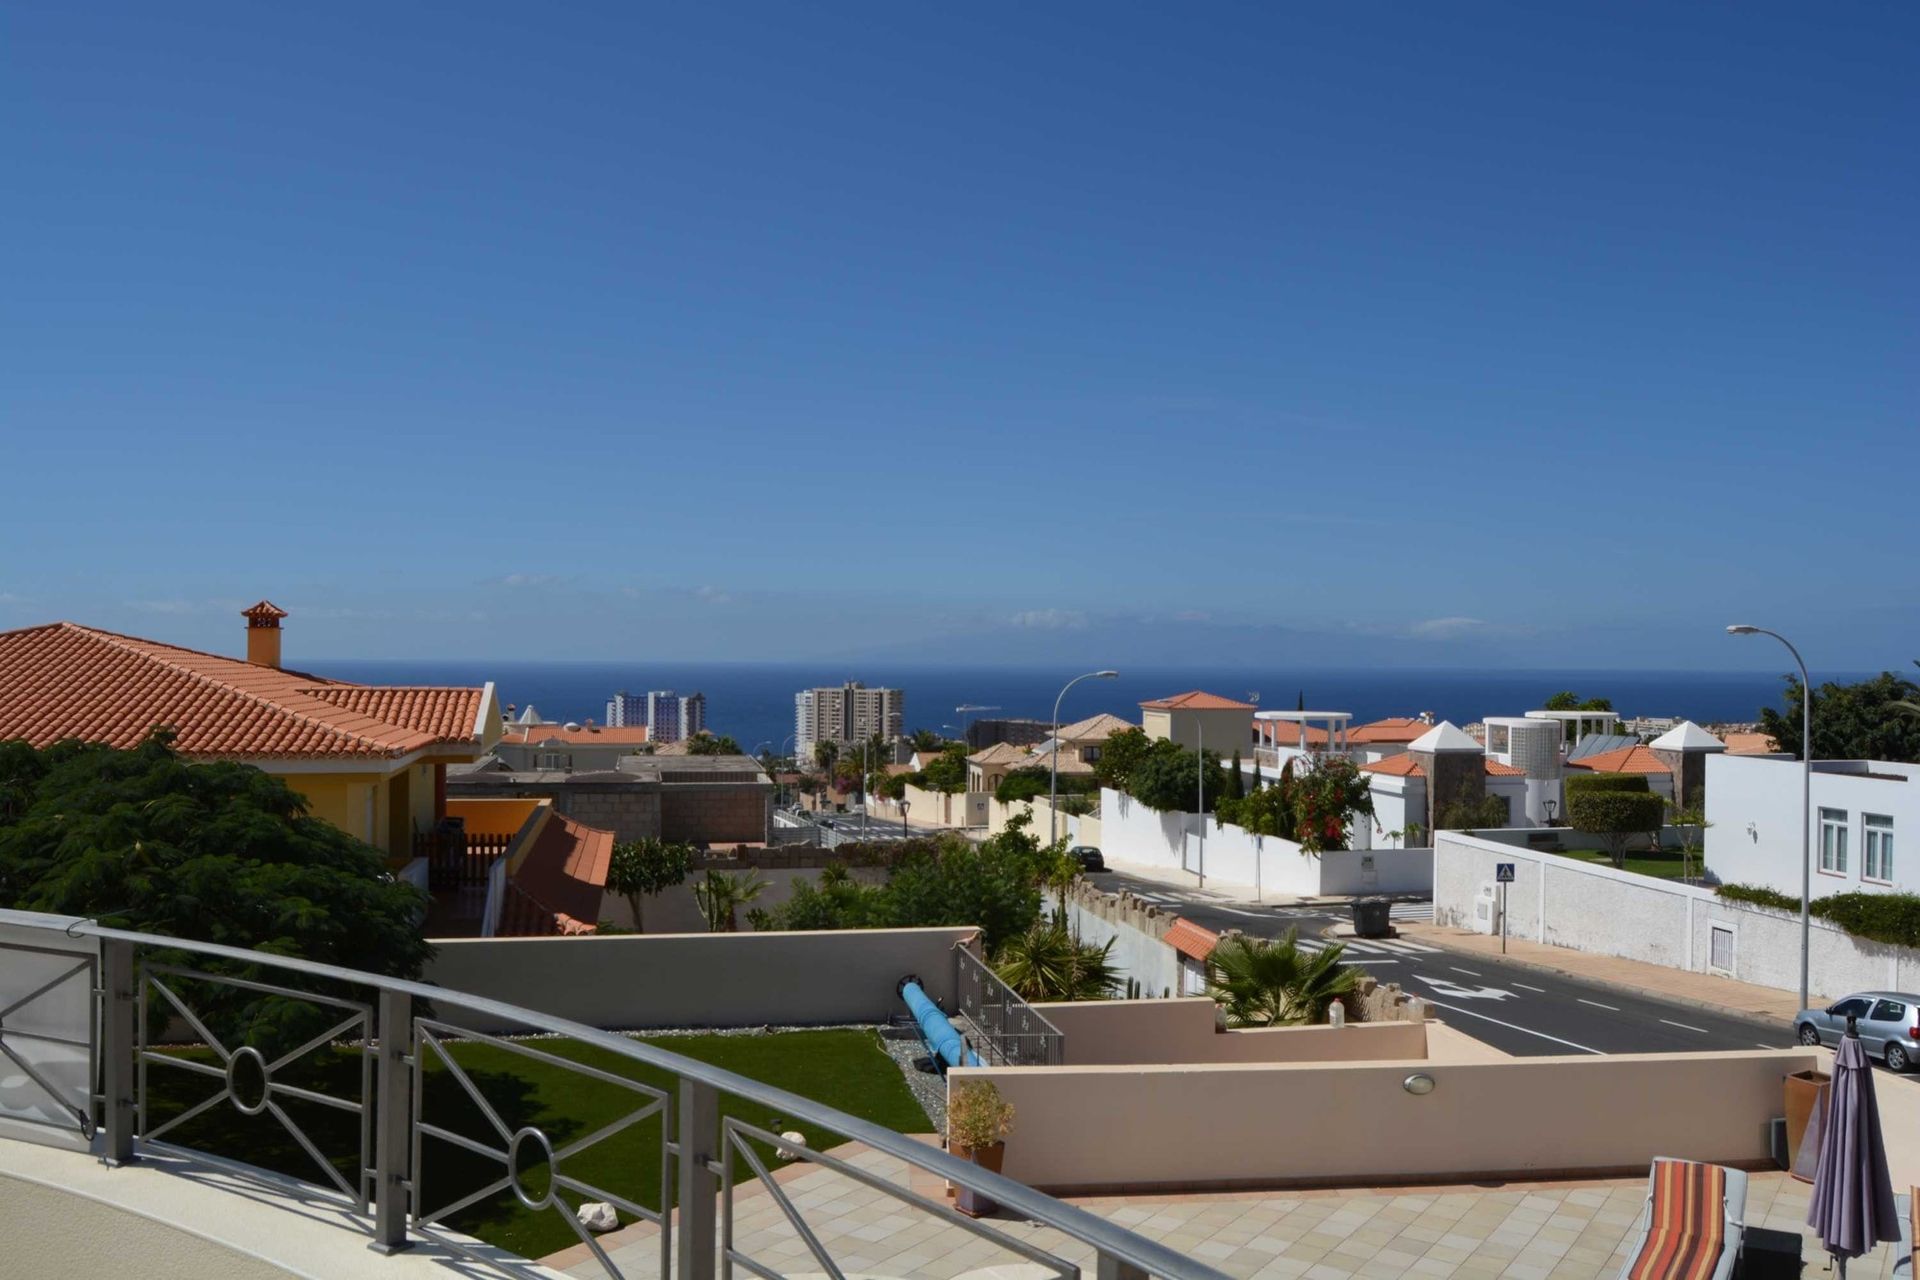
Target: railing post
<point>119,1064</point>
<point>1109,1267</point>
<point>697,1139</point>
<point>392,1118</point>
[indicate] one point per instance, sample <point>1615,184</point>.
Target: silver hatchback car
<point>1888,1022</point>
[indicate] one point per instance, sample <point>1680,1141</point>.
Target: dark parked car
<point>1888,1021</point>
<point>1088,857</point>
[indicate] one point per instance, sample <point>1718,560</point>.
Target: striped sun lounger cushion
<point>1687,1225</point>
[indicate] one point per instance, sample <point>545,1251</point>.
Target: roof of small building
<point>1405,766</point>
<point>1750,744</point>
<point>1392,729</point>
<point>1445,736</point>
<point>63,680</point>
<point>1634,759</point>
<point>1197,700</point>
<point>1687,736</point>
<point>572,735</point>
<point>1001,753</point>
<point>1189,939</point>
<point>1095,728</point>
<point>565,872</point>
<point>1287,733</point>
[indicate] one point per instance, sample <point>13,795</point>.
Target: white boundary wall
<point>1133,833</point>
<point>1569,903</point>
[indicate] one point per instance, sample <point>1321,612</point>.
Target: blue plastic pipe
<point>942,1040</point>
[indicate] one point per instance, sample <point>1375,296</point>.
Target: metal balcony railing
<point>1011,1032</point>
<point>79,1013</point>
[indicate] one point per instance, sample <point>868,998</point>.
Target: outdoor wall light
<point>1418,1084</point>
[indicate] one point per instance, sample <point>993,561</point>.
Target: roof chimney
<point>263,633</point>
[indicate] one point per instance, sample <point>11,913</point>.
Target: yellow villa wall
<point>401,804</point>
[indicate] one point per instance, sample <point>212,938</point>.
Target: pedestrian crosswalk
<point>1378,950</point>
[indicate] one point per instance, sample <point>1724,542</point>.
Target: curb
<point>1608,984</point>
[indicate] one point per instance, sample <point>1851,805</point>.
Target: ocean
<point>754,702</point>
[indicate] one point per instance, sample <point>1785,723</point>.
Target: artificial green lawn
<point>1664,864</point>
<point>845,1069</point>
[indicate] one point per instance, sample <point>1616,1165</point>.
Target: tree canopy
<point>1616,817</point>
<point>1568,700</point>
<point>705,744</point>
<point>1173,779</point>
<point>1861,721</point>
<point>148,840</point>
<point>646,866</point>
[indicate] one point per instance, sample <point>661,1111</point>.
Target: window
<point>1720,948</point>
<point>551,760</point>
<point>1888,1011</point>
<point>1833,841</point>
<point>1090,754</point>
<point>1497,739</point>
<point>1877,845</point>
<point>1856,1007</point>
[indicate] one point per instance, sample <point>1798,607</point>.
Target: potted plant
<point>978,1121</point>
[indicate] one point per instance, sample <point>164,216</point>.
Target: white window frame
<point>1876,838</point>
<point>1833,841</point>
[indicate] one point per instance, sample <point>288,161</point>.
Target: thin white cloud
<point>1446,628</point>
<point>1049,619</point>
<point>712,595</point>
<point>525,580</point>
<point>173,607</point>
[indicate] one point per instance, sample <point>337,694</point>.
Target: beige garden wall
<point>1108,1127</point>
<point>1183,1030</point>
<point>633,981</point>
<point>1075,829</point>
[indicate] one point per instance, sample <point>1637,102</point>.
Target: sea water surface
<point>754,702</point>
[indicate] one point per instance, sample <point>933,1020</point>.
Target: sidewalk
<point>1724,995</point>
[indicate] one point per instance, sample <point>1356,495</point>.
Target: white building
<point>850,713</point>
<point>667,716</point>
<point>1860,810</point>
<point>1403,787</point>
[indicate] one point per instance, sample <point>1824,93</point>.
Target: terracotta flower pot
<point>971,1202</point>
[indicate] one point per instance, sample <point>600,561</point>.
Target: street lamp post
<point>1053,780</point>
<point>1806,796</point>
<point>905,834</point>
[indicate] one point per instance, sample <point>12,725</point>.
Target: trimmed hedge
<point>1606,782</point>
<point>1892,918</point>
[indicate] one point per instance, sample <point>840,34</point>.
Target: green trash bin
<point>1370,917</point>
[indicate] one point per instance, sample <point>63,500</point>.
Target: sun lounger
<point>1692,1226</point>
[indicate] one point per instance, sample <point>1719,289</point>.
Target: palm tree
<point>722,894</point>
<point>1048,963</point>
<point>1264,983</point>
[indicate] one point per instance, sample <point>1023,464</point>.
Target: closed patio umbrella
<point>1852,1207</point>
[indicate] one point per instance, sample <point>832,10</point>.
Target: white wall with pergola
<point>1335,724</point>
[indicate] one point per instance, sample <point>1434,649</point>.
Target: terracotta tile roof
<point>1095,728</point>
<point>1392,729</point>
<point>1750,744</point>
<point>561,879</point>
<point>1405,766</point>
<point>1197,700</point>
<point>1287,732</point>
<point>535,734</point>
<point>1002,753</point>
<point>1635,759</point>
<point>63,680</point>
<point>1189,939</point>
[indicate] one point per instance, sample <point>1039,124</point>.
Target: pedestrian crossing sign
<point>1503,872</point>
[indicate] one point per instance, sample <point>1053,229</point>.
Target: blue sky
<point>1411,334</point>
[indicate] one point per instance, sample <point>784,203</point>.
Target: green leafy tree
<point>1567,700</point>
<point>1266,812</point>
<point>721,894</point>
<point>1690,819</point>
<point>645,866</point>
<point>1236,781</point>
<point>1616,817</point>
<point>1585,781</point>
<point>1173,779</point>
<point>826,755</point>
<point>705,744</point>
<point>1121,754</point>
<point>948,771</point>
<point>925,740</point>
<point>1048,963</point>
<point>147,840</point>
<point>1262,983</point>
<point>1860,721</point>
<point>1327,797</point>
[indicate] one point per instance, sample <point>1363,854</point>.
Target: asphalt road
<point>1515,1008</point>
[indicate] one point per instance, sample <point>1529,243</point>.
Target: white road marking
<point>1525,987</point>
<point>1683,1026</point>
<point>1448,987</point>
<point>1596,1004</point>
<point>1766,1046</point>
<point>1469,972</point>
<point>1514,1027</point>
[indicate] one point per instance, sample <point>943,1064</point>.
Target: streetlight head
<point>1742,629</point>
<point>1107,675</point>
